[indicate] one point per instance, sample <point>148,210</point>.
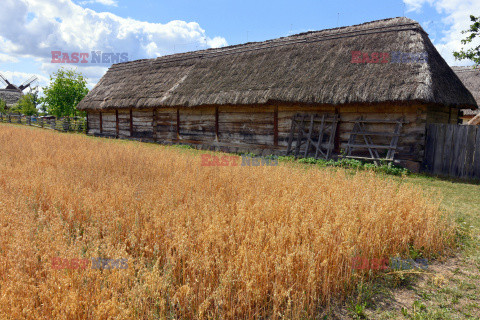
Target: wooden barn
<point>471,79</point>
<point>363,91</point>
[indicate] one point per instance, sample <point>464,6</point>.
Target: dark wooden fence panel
<point>452,150</point>
<point>62,124</point>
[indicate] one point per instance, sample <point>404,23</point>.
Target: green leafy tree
<point>66,89</point>
<point>3,106</point>
<point>473,53</point>
<point>27,105</point>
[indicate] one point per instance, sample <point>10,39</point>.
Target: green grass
<point>461,200</point>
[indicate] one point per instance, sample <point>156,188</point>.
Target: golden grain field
<point>201,242</point>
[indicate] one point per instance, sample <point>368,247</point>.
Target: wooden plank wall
<point>166,124</point>
<point>441,114</point>
<point>124,123</point>
<point>142,123</point>
<point>93,122</point>
<point>246,125</point>
<point>197,125</point>
<point>262,127</point>
<point>109,123</point>
<point>410,146</point>
<point>412,142</point>
<point>453,150</point>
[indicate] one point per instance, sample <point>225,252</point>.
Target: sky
<point>30,30</point>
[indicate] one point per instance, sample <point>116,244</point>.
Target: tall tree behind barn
<point>244,97</point>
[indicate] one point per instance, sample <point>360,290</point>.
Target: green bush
<point>3,106</point>
<point>286,158</point>
<point>384,167</point>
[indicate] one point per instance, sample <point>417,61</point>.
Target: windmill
<point>23,86</point>
<point>11,94</point>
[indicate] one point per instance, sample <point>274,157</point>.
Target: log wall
<point>93,122</point>
<point>124,123</point>
<point>262,129</point>
<point>246,125</point>
<point>197,125</point>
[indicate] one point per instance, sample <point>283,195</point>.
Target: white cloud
<point>38,27</point>
<point>416,5</point>
<point>6,58</point>
<point>104,2</point>
<point>457,18</point>
<point>217,42</point>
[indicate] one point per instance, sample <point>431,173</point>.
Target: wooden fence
<point>62,124</point>
<point>452,150</point>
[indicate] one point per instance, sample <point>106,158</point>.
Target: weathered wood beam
<point>117,129</point>
<point>131,122</point>
<point>178,123</point>
<point>216,123</point>
<point>101,123</point>
<point>154,124</point>
<point>336,136</point>
<point>275,126</point>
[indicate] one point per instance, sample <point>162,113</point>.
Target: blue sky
<point>31,29</point>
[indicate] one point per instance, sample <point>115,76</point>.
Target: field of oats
<point>201,242</point>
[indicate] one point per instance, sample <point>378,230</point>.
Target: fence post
<point>80,125</point>
<point>66,124</point>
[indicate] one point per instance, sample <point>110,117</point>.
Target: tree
<point>27,105</point>
<point>3,107</point>
<point>473,53</point>
<point>66,89</point>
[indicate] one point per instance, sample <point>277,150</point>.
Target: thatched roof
<point>10,96</point>
<point>471,79</point>
<point>312,67</point>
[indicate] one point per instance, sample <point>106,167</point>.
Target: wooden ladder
<point>360,129</point>
<point>302,132</point>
